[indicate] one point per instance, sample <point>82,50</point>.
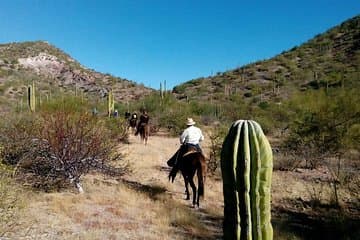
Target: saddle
<point>187,150</point>
<point>190,150</point>
<point>142,124</point>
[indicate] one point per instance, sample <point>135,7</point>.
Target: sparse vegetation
<point>306,99</point>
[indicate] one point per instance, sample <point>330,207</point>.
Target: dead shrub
<point>315,192</point>
<point>216,141</point>
<point>58,148</point>
<point>9,202</point>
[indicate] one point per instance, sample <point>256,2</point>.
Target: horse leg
<point>201,180</point>
<point>193,187</point>
<point>144,140</point>
<point>186,188</point>
<point>146,134</point>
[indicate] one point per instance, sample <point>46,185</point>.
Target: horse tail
<point>201,178</point>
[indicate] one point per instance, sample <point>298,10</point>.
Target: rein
<point>177,157</point>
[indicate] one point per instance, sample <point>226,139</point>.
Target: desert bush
<point>174,121</point>
<point>216,137</point>
<point>118,129</point>
<point>66,103</point>
<point>315,192</point>
<point>68,146</point>
<point>10,203</point>
<point>324,123</point>
<point>58,145</point>
<point>286,161</point>
<point>16,133</point>
<point>326,127</point>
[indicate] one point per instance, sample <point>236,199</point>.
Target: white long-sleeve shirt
<point>192,135</point>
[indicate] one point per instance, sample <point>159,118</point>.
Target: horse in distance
<point>144,130</point>
<point>133,121</point>
<point>143,127</point>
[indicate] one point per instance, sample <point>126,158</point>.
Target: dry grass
<point>109,210</point>
<point>144,205</point>
<point>11,200</point>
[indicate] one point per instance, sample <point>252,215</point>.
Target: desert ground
<point>143,204</point>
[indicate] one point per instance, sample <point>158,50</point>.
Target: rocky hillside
<point>329,60</point>
<point>53,71</point>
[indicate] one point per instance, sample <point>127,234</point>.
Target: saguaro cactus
<point>246,166</point>
<point>111,103</point>
<point>31,97</point>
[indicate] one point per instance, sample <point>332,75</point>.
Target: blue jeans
<point>190,145</point>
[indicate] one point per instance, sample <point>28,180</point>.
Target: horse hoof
<point>196,207</point>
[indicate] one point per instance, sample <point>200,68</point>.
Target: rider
<point>133,120</point>
<point>144,119</point>
<point>190,138</point>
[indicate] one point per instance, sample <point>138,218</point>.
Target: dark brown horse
<point>189,163</point>
<point>144,130</point>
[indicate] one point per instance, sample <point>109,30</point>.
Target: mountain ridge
<point>52,70</point>
<point>330,59</point>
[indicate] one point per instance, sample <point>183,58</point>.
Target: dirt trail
<point>143,204</point>
<point>149,168</point>
<point>148,162</point>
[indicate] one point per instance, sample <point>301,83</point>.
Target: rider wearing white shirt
<point>190,138</point>
<point>192,135</point>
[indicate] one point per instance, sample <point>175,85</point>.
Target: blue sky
<point>149,41</point>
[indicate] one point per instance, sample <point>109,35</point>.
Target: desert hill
<point>329,60</point>
<point>53,70</point>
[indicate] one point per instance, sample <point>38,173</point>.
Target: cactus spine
<point>31,97</point>
<point>246,166</point>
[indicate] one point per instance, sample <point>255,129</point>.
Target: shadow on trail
<point>211,223</point>
<point>203,227</point>
<point>329,224</point>
<point>163,169</point>
<point>152,191</point>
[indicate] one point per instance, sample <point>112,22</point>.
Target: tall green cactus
<point>31,97</point>
<point>111,103</point>
<point>246,166</point>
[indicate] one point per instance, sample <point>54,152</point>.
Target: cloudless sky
<point>149,41</point>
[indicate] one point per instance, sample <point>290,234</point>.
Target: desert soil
<point>143,204</point>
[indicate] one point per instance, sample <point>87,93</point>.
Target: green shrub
<point>117,129</point>
<point>325,122</point>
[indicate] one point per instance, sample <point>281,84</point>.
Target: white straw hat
<point>190,122</point>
